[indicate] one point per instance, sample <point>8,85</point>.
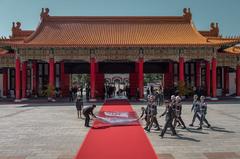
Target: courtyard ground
<point>52,131</point>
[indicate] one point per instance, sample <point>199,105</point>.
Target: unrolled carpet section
<point>116,142</point>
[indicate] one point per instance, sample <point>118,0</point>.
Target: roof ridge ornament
<point>44,14</point>
<point>187,14</point>
<point>16,29</point>
<point>214,29</point>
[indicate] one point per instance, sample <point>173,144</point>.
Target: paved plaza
<point>52,131</point>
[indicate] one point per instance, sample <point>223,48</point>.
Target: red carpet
<point>118,142</point>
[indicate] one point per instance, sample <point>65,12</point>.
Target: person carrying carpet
<point>87,111</point>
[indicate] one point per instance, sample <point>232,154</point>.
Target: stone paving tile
<point>43,132</point>
<point>222,155</point>
<point>12,157</point>
<point>165,156</point>
<point>54,132</point>
<point>189,156</point>
<point>66,157</point>
<point>224,136</point>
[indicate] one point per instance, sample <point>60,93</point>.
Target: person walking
<point>169,113</point>
<point>203,111</point>
<point>195,109</point>
<point>152,114</point>
<point>178,113</point>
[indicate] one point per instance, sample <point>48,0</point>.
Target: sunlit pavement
<point>52,131</point>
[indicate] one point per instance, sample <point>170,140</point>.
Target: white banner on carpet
<point>117,114</point>
<point>117,121</point>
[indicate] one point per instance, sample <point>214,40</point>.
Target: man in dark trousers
<point>178,113</point>
<point>87,111</point>
<point>152,108</point>
<point>79,105</point>
<point>195,109</point>
<point>169,119</point>
<point>203,111</point>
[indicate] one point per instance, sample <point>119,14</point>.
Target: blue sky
<point>225,12</point>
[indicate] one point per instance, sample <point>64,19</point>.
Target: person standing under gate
<point>79,104</point>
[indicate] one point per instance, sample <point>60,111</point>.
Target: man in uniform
<point>169,119</point>
<point>178,113</point>
<point>87,111</point>
<point>151,114</point>
<point>195,109</point>
<point>203,111</point>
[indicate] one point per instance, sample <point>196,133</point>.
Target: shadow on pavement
<point>180,137</point>
<point>218,129</point>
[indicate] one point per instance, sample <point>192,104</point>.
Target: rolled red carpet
<point>118,142</point>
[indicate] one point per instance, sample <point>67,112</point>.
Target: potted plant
<point>182,89</point>
<point>50,93</point>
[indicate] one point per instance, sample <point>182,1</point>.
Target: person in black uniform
<point>178,113</point>
<point>151,113</point>
<point>79,105</point>
<point>195,109</point>
<point>169,119</point>
<point>203,111</point>
<point>87,111</point>
<point>147,113</point>
<point>143,114</point>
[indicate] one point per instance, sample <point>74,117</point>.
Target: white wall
<point>1,85</point>
<point>232,83</point>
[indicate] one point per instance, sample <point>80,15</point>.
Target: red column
<point>34,82</point>
<point>238,81</point>
<point>170,71</point>
<point>214,77</point>
<point>181,69</point>
<point>208,83</point>
<point>92,77</point>
<point>140,77</point>
<point>168,77</point>
<point>51,76</point>
<point>24,79</point>
<point>5,82</point>
<point>198,74</point>
<point>62,78</point>
<point>226,80</point>
<point>17,79</point>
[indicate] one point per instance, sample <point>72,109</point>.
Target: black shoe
<point>161,136</point>
<point>199,128</point>
<point>209,126</point>
<point>184,127</point>
<point>190,124</point>
<point>87,126</point>
<point>174,134</point>
<point>146,129</point>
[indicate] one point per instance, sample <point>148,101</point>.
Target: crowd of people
<point>75,91</point>
<point>157,93</point>
<point>173,114</point>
